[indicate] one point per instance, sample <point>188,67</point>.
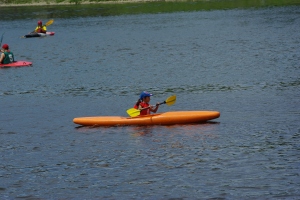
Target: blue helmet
<point>145,94</point>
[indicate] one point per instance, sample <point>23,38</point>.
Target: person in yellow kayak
<point>143,104</point>
<point>6,55</point>
<point>40,28</point>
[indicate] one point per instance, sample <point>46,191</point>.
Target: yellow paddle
<point>49,22</point>
<point>132,112</point>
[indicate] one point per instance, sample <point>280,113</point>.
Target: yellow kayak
<point>167,118</point>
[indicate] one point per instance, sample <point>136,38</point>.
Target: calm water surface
<point>243,63</point>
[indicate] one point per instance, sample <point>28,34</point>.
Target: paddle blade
<point>49,22</point>
<point>171,100</point>
<point>132,112</point>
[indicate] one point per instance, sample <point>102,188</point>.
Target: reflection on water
<point>138,131</point>
<point>189,130</point>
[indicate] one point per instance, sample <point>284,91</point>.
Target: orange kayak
<point>167,118</point>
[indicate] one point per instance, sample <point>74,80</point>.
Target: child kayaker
<point>40,28</point>
<point>143,104</point>
<point>6,55</point>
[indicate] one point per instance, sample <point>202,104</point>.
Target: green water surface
<point>90,10</point>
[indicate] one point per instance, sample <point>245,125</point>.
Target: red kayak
<point>17,64</point>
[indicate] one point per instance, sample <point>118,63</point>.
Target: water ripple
<point>127,90</point>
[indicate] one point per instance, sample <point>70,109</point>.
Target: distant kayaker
<point>6,55</point>
<point>40,28</point>
<point>143,104</point>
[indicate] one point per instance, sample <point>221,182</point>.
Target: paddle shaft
<point>153,106</point>
<point>1,39</point>
<point>164,102</point>
<point>133,112</point>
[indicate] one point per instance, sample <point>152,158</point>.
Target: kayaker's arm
<point>133,112</point>
<point>2,57</point>
<point>154,109</point>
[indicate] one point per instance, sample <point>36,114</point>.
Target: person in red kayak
<point>143,104</point>
<point>40,28</point>
<point>6,55</point>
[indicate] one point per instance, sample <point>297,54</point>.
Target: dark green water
<point>94,10</point>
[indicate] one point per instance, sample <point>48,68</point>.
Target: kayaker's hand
<point>157,104</point>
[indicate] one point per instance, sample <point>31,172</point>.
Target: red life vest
<point>143,105</point>
<point>145,111</point>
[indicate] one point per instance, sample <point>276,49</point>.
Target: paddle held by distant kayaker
<point>40,28</point>
<point>143,104</point>
<point>6,55</point>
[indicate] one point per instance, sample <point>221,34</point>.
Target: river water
<point>241,62</point>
